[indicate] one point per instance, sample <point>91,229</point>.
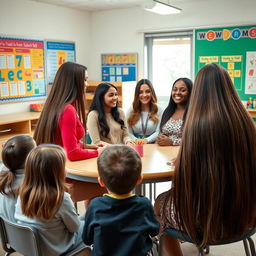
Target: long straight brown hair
<point>42,191</point>
<point>135,113</point>
<point>214,191</point>
<point>68,87</point>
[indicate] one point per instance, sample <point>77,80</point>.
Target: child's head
<point>45,178</point>
<point>15,151</point>
<point>119,168</point>
<point>48,162</point>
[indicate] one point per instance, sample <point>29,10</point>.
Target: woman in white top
<point>145,114</point>
<point>174,115</point>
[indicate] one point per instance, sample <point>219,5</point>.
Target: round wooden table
<point>154,168</point>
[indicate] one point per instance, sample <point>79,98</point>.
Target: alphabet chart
<point>21,69</point>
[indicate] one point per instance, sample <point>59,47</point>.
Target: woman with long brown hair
<point>63,118</point>
<point>213,198</point>
<point>145,114</point>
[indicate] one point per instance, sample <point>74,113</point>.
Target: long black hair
<point>98,104</point>
<point>170,109</point>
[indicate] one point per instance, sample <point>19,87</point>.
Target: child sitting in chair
<point>14,155</point>
<point>120,223</point>
<point>44,204</point>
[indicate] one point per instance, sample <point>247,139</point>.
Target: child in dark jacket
<point>120,223</point>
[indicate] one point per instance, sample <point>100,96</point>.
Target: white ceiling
<point>98,5</point>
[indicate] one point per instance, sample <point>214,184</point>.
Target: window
<point>168,57</point>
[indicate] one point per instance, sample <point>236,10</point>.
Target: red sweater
<point>70,132</point>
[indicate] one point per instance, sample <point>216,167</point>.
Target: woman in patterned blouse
<point>174,115</point>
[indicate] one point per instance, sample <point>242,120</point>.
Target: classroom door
<point>168,57</point>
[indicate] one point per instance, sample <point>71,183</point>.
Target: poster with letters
<point>22,75</point>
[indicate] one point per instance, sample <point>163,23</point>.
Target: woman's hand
<point>163,140</point>
<point>101,149</point>
<point>91,146</point>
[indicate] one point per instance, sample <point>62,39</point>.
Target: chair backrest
<point>22,239</point>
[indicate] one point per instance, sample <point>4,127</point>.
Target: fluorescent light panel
<point>161,8</point>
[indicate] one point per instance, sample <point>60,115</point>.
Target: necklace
<point>144,128</point>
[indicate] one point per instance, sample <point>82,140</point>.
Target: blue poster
<point>119,67</point>
<point>56,54</point>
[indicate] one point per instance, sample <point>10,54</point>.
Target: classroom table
<point>154,168</point>
<point>252,112</point>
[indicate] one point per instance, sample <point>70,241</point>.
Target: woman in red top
<point>62,120</point>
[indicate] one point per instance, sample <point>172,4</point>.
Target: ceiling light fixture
<point>162,8</point>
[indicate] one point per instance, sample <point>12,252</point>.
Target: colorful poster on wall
<point>233,48</point>
<point>250,77</point>
<point>21,69</point>
<point>119,67</point>
<point>57,54</point>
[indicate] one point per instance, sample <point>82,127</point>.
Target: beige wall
<point>43,21</point>
<point>120,31</point>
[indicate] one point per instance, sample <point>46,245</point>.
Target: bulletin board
<point>119,67</point>
<point>56,54</point>
<point>21,69</point>
<point>235,49</point>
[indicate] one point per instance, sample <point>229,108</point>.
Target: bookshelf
<point>90,90</point>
